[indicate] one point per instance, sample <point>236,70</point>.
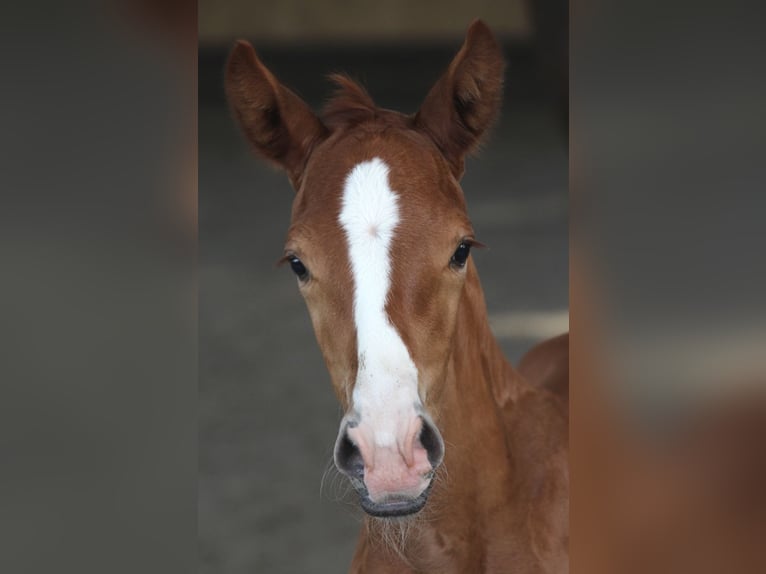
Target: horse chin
<point>393,507</point>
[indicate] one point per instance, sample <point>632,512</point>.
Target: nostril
<point>432,441</point>
<point>348,457</point>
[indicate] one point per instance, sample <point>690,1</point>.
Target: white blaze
<point>386,389</point>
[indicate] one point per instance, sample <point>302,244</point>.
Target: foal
<point>380,242</point>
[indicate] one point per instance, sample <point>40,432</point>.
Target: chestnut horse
<point>380,242</point>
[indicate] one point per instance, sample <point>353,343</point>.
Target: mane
<point>349,105</point>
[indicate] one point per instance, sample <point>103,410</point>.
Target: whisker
<point>327,471</point>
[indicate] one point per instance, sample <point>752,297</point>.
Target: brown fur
<point>350,105</point>
<point>464,102</point>
<point>278,124</point>
<point>546,365</point>
<point>499,502</point>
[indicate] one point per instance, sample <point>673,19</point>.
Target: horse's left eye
<point>461,255</point>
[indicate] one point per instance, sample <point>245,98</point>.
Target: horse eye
<point>299,268</point>
<point>461,255</point>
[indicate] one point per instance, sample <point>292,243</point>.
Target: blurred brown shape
<point>688,497</point>
<point>173,24</point>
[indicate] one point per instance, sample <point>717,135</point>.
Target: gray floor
<point>268,417</point>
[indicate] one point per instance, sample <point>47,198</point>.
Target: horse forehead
<point>421,182</point>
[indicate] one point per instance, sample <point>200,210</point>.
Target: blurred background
<point>268,418</point>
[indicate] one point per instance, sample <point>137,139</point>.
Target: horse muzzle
<point>392,477</point>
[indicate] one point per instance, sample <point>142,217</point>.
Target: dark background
<point>268,417</point>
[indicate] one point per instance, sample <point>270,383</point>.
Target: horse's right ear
<point>279,125</point>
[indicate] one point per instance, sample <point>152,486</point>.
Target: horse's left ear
<point>464,102</point>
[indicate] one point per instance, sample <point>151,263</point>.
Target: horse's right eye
<point>299,268</point>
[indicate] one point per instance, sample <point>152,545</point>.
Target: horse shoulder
<point>537,435</point>
<point>546,365</point>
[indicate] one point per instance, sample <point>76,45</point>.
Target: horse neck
<point>480,383</point>
<point>478,372</point>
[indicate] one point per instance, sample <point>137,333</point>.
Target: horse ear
<point>279,125</point>
<point>464,102</point>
